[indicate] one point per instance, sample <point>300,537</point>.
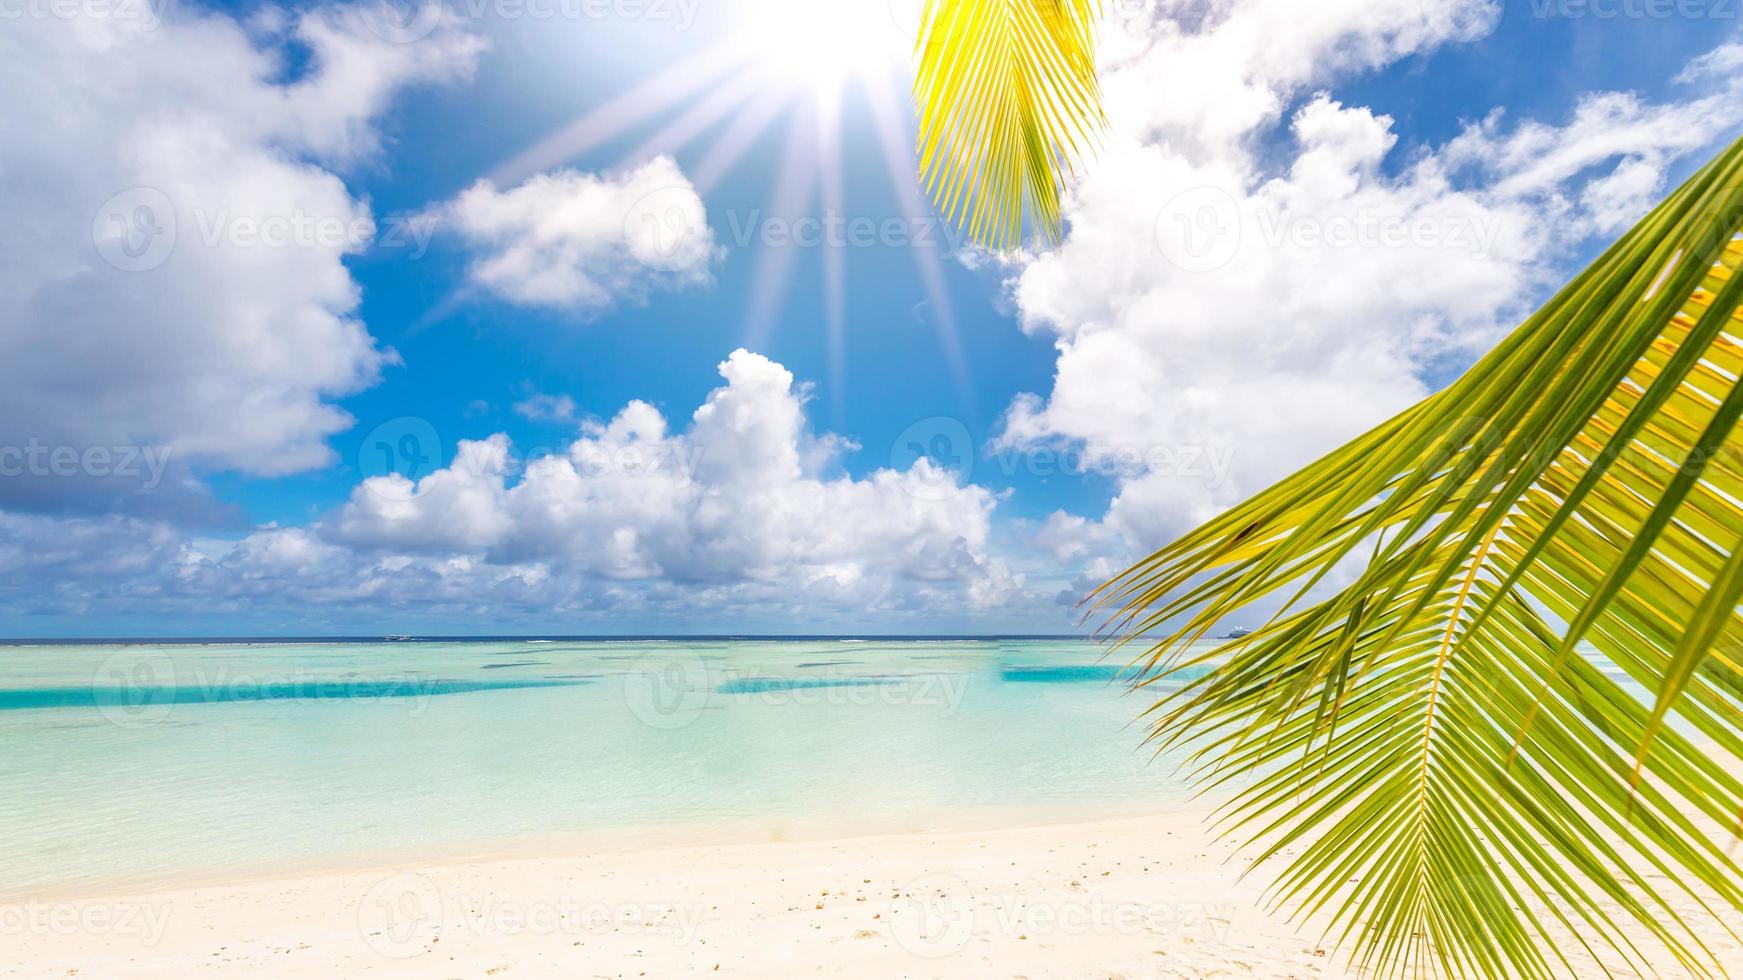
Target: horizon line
<point>553,637</point>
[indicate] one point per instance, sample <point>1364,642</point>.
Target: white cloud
<point>742,498</point>
<point>736,520</point>
<point>1719,63</point>
<point>1629,141</point>
<point>1204,77</point>
<point>1065,538</point>
<point>1253,271</point>
<point>60,569</point>
<point>1208,296</point>
<point>742,517</point>
<point>174,276</point>
<point>583,242</point>
<point>547,408</point>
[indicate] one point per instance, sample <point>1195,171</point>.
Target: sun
<point>792,65</point>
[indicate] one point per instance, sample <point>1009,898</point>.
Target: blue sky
<point>1102,346</point>
<point>896,370</point>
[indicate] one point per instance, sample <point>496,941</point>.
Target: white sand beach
<point>1146,897</point>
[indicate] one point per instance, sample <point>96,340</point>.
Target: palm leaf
<point>1448,748</point>
<point>1008,99</point>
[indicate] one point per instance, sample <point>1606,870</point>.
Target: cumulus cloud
<point>585,242</point>
<point>177,231</point>
<point>742,497</point>
<point>1265,284</point>
<point>178,202</point>
<point>743,513</point>
<point>1252,275</point>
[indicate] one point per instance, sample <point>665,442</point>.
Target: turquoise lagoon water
<point>137,762</point>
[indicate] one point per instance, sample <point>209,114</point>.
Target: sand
<point>1148,897</point>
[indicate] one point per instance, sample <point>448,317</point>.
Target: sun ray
<point>795,62</point>
<point>619,115</point>
<point>794,184</point>
<point>894,142</point>
<point>834,262</point>
<point>699,118</point>
<point>731,145</point>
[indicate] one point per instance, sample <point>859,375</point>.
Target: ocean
<point>142,762</point>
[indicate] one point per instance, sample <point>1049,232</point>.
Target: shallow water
<point>122,762</point>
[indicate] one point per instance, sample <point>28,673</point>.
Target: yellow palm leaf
<point>1008,101</point>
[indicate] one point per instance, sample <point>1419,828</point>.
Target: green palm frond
<point>1448,749</point>
<point>1008,99</point>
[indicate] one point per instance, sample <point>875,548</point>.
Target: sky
<point>630,316</point>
